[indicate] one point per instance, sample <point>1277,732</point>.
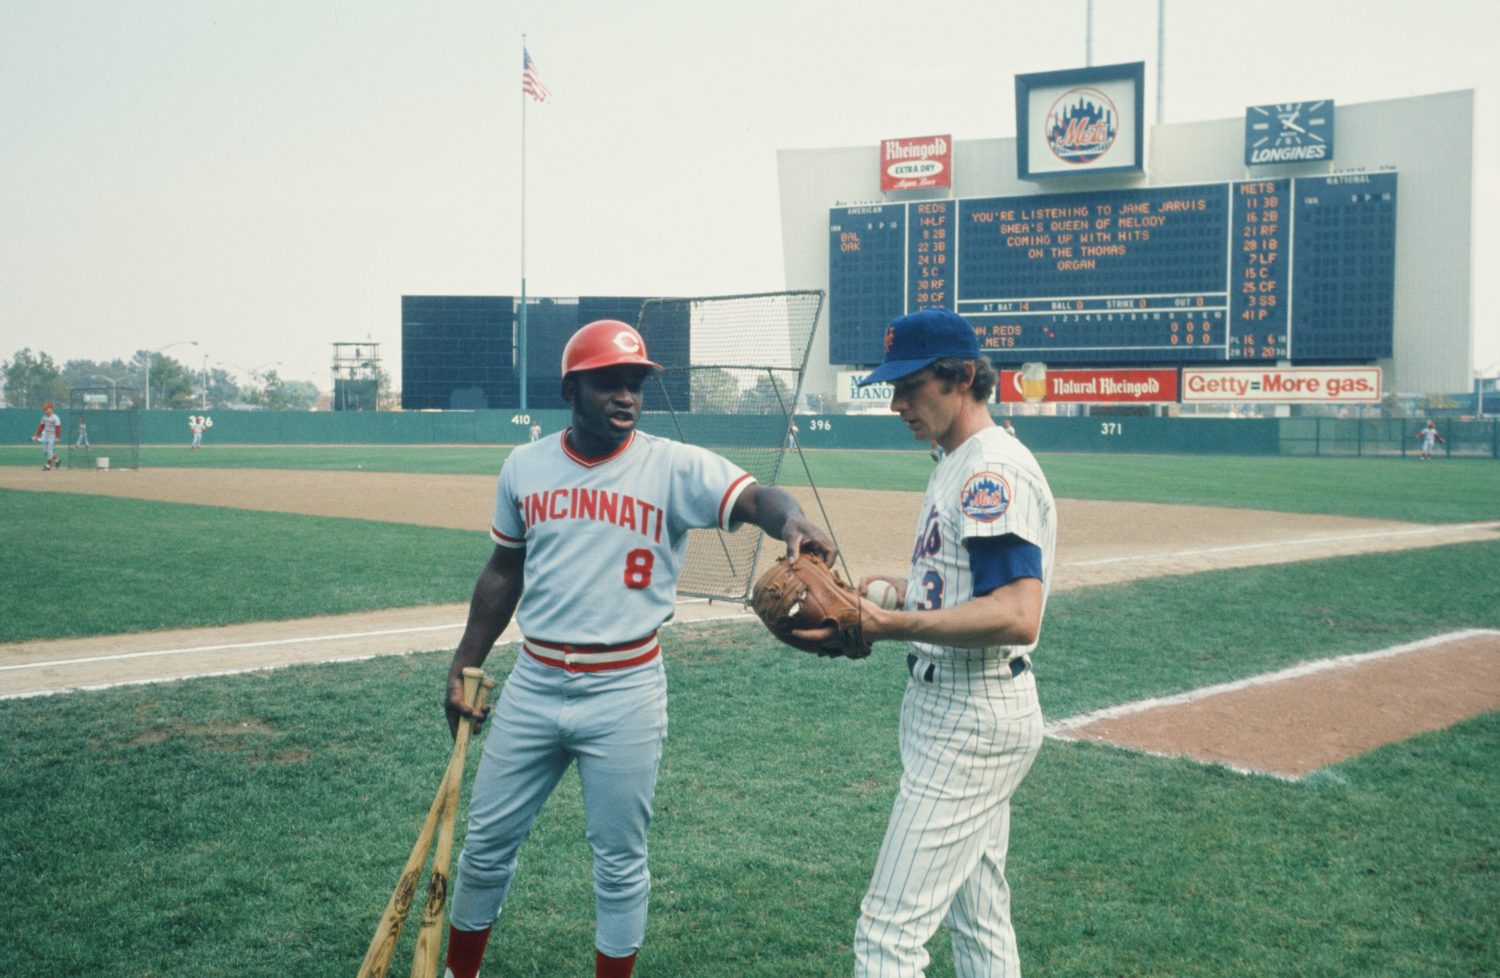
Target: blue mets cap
<point>921,338</point>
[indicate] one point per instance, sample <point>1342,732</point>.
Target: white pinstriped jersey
<point>605,538</point>
<point>989,486</point>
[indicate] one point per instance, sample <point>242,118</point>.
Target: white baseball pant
<point>969,734</point>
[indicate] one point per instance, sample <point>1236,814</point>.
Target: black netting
<point>734,367</point>
<point>111,435</point>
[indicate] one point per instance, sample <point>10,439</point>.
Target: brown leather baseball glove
<point>807,594</point>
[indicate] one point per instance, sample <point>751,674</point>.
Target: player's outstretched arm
<point>778,514</point>
<point>1008,615</point>
<point>496,594</point>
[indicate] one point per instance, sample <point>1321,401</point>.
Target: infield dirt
<point>1098,543</point>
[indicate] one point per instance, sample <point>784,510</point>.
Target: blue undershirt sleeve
<point>996,561</point>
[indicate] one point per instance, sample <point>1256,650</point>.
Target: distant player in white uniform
<point>48,431</point>
<point>1429,435</point>
<point>972,609</point>
<point>83,434</point>
<point>197,427</point>
<point>1008,428</point>
<point>535,431</point>
<point>590,532</point>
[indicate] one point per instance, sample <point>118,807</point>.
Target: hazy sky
<point>268,177</point>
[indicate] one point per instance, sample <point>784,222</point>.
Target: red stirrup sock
<point>607,967</point>
<point>465,951</point>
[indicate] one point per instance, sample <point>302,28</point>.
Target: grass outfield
<point>96,565</point>
<point>256,824</point>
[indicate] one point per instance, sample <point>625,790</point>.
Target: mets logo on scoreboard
<point>1082,125</point>
<point>985,497</point>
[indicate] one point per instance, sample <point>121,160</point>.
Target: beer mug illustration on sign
<point>1033,382</point>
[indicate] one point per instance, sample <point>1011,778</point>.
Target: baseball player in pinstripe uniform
<point>972,608</point>
<point>590,532</point>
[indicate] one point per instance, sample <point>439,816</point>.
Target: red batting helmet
<point>605,343</point>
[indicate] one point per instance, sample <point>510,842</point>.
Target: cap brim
<point>896,369</point>
<point>604,363</point>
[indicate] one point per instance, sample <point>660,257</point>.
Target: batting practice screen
<point>1297,268</point>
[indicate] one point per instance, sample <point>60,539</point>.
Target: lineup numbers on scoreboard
<point>931,255</point>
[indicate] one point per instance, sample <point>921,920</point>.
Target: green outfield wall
<point>1340,437</point>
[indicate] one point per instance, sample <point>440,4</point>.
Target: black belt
<point>1017,666</point>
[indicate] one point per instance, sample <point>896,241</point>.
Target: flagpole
<point>521,333</point>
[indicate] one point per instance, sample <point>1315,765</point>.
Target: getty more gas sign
<point>1283,385</point>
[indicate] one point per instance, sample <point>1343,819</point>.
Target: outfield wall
<point>1100,434</point>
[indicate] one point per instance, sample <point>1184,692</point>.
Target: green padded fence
<point>1334,437</point>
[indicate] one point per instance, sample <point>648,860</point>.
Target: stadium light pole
<point>160,349</point>
<point>114,397</point>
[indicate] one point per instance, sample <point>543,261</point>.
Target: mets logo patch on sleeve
<point>985,497</point>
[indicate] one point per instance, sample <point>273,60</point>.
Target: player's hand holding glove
<point>806,594</point>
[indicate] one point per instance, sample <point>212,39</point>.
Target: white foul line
<point>119,656</point>
<point>1373,535</point>
<point>352,657</point>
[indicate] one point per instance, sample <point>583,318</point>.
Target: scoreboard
<point>1298,268</point>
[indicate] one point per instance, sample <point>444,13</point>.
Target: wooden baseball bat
<point>429,938</point>
<point>377,962</point>
<point>424,958</point>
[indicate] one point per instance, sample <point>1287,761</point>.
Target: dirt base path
<point>1099,542</point>
<point>1294,722</point>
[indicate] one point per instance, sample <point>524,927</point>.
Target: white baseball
<point>884,594</point>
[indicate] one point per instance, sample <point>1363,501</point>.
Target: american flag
<point>531,84</point>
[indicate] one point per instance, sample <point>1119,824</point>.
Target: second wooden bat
<point>377,961</point>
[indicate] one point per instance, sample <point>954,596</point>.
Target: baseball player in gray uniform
<point>48,431</point>
<point>590,531</point>
<point>1428,435</point>
<point>971,610</point>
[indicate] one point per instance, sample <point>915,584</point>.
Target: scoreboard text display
<point>1253,270</point>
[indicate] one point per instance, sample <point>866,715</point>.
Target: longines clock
<point>1289,132</point>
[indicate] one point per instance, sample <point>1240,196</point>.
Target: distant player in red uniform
<point>1429,435</point>
<point>48,431</point>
